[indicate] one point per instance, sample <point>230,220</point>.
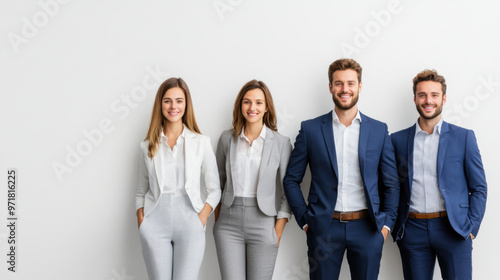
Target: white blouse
<point>172,165</point>
<point>247,164</point>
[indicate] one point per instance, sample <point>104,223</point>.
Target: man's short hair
<point>344,64</point>
<point>429,75</point>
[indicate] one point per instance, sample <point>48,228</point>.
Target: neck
<point>428,125</point>
<point>252,130</point>
<point>346,116</point>
<point>173,129</point>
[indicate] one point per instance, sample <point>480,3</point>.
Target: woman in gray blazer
<point>252,159</point>
<point>171,214</point>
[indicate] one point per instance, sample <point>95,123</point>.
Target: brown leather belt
<point>350,216</point>
<point>413,215</point>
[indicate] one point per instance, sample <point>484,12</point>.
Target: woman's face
<point>173,105</point>
<point>253,106</point>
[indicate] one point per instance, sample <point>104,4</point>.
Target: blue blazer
<point>461,177</point>
<point>315,146</point>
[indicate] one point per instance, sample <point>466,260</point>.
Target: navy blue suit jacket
<point>315,146</point>
<point>460,172</point>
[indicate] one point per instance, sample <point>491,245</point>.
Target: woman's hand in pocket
<point>204,213</point>
<point>140,216</point>
<point>279,227</point>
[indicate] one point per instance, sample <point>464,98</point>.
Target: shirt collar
<point>164,138</point>
<point>261,135</point>
<point>336,118</point>
<point>437,127</point>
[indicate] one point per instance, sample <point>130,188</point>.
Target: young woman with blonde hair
<point>252,158</point>
<point>171,214</point>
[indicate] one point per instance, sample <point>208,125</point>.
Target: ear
<point>330,88</point>
<point>444,99</point>
<point>360,86</point>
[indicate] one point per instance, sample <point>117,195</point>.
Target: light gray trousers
<point>173,240</point>
<point>246,241</point>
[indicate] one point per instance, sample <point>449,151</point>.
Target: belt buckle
<point>340,219</point>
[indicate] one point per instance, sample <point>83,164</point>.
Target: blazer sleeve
<point>143,184</point>
<point>294,174</point>
<point>390,187</point>
<point>476,182</point>
<point>211,175</point>
<point>286,151</point>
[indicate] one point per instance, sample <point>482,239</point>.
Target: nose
<point>427,99</point>
<point>344,87</point>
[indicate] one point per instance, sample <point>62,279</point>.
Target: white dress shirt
<point>172,165</point>
<point>247,166</point>
<point>425,195</point>
<point>351,194</point>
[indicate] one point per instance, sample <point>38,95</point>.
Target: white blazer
<point>199,160</point>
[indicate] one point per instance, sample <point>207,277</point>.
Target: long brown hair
<point>269,117</point>
<point>158,120</point>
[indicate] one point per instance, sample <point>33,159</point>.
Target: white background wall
<point>69,68</point>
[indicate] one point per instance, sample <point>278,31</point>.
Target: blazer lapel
<point>327,130</point>
<point>443,142</point>
<point>189,143</point>
<point>266,152</point>
<point>233,151</point>
<point>409,156</point>
<point>157,161</point>
<point>364,130</point>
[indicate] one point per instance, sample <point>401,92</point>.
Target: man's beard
<point>344,106</point>
<point>439,109</point>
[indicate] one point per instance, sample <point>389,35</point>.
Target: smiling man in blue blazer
<point>354,191</point>
<point>443,188</point>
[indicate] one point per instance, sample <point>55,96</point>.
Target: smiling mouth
<point>344,96</point>
<point>252,114</point>
<point>173,113</point>
<point>428,108</point>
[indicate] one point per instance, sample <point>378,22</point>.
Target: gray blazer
<point>275,155</point>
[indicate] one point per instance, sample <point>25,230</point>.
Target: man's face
<point>429,99</point>
<point>345,88</point>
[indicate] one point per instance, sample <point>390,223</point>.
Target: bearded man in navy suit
<point>354,191</point>
<point>443,188</point>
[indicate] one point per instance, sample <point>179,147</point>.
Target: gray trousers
<point>246,241</point>
<point>173,240</point>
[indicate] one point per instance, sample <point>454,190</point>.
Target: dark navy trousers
<point>362,241</point>
<point>426,239</point>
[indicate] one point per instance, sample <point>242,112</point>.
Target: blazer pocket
<point>464,205</point>
<point>312,198</point>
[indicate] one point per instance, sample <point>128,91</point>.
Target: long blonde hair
<point>269,118</point>
<point>158,120</point>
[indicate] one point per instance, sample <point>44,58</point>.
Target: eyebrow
<point>174,98</point>
<point>339,81</point>
<point>423,92</point>
<point>255,99</point>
